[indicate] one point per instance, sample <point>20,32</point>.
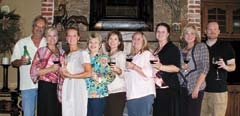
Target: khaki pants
<point>214,104</point>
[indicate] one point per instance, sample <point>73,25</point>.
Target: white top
<point>118,84</point>
<point>74,91</point>
<point>25,78</point>
<point>137,85</point>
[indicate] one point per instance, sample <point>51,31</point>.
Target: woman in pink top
<point>45,71</point>
<point>139,78</point>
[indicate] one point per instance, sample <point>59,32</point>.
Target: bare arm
<point>166,68</point>
<point>133,66</point>
<point>230,66</point>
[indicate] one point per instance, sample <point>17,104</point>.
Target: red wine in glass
<point>153,61</point>
<point>111,63</point>
<point>56,62</point>
<point>186,60</point>
<point>129,59</point>
<point>186,57</point>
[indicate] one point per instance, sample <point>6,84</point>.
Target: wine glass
<point>57,61</point>
<point>215,64</point>
<point>112,61</point>
<point>186,59</point>
<point>129,58</point>
<point>153,59</point>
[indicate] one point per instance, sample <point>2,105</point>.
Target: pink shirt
<point>138,86</point>
<point>44,58</point>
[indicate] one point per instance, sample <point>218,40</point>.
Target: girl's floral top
<point>102,69</point>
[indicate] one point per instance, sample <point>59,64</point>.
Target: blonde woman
<point>77,67</point>
<point>139,79</point>
<point>45,70</point>
<point>101,77</point>
<point>194,68</point>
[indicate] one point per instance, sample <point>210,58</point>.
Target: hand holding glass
<point>129,58</point>
<point>153,59</point>
<point>112,61</point>
<point>186,60</point>
<point>215,64</point>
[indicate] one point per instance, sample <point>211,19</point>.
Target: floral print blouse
<point>98,89</point>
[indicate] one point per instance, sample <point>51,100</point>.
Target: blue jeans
<point>96,106</point>
<point>29,98</point>
<point>140,106</point>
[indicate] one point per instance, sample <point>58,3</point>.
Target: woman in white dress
<point>76,68</point>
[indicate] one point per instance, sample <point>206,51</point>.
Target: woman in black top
<point>167,84</point>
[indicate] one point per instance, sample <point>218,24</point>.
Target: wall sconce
<point>176,27</point>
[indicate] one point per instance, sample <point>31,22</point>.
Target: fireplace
<point>123,15</point>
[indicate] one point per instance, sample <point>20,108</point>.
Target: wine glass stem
<point>217,75</point>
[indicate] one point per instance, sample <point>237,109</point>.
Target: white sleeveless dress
<point>74,91</point>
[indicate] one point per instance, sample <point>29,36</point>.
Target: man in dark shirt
<point>222,60</point>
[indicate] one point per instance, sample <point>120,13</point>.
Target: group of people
<point>189,80</point>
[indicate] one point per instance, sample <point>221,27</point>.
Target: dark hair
<point>165,25</point>
<point>73,28</point>
<point>40,17</point>
<point>120,46</point>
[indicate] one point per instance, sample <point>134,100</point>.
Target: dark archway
<point>121,15</point>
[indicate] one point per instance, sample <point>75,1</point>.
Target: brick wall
<point>194,12</point>
<point>48,10</point>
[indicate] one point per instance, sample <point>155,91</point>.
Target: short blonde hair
<point>97,36</point>
<point>49,29</point>
<point>191,28</point>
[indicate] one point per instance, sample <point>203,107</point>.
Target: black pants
<point>48,104</point>
<point>166,102</point>
<point>115,104</point>
<point>189,106</point>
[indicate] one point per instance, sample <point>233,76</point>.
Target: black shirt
<point>222,50</point>
<point>170,55</point>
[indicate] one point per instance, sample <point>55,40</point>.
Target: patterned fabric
<point>44,58</point>
<point>102,69</point>
<point>198,63</point>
